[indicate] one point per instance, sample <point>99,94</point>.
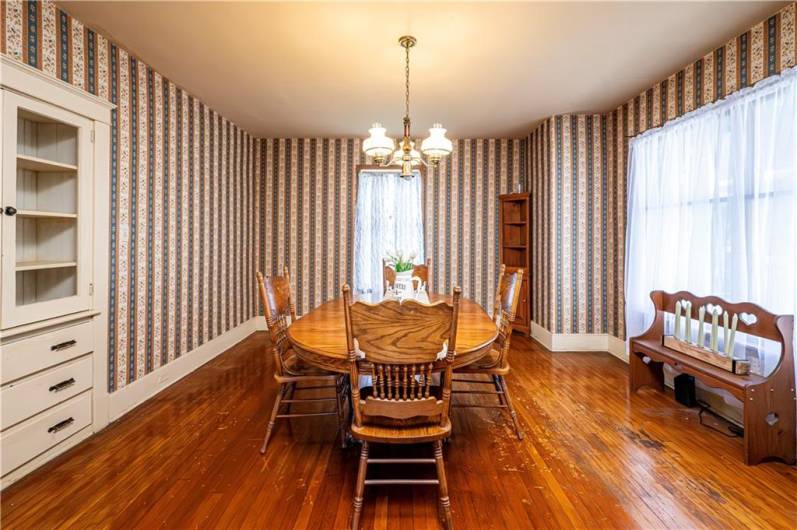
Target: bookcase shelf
<point>43,264</point>
<point>33,163</point>
<point>33,214</point>
<point>515,215</point>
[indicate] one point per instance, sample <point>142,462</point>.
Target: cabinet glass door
<point>46,249</point>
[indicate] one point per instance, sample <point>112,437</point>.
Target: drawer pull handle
<point>63,345</point>
<point>62,385</point>
<point>61,425</point>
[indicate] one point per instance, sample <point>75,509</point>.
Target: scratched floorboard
<point>592,458</point>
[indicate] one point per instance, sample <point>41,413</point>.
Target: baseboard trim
<point>129,397</point>
<point>542,335</point>
<point>597,342</point>
<point>618,347</point>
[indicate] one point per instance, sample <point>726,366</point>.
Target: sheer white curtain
<point>389,218</point>
<point>712,203</point>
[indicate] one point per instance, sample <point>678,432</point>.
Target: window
<point>711,203</point>
<point>389,218</point>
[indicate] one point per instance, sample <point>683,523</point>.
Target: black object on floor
<point>684,385</point>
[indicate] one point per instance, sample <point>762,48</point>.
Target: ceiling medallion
<point>383,149</point>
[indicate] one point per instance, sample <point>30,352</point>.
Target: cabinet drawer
<point>26,397</point>
<point>26,356</point>
<point>31,438</point>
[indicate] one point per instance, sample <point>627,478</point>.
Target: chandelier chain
<point>407,83</point>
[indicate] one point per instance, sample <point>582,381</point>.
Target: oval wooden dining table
<point>319,337</point>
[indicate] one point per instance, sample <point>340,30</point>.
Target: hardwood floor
<point>592,457</point>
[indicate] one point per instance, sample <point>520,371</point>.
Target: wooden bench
<point>768,401</point>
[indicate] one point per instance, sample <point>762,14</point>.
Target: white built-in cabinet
<point>54,225</point>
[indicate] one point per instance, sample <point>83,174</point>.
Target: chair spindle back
<point>401,342</point>
<point>279,311</point>
<point>507,296</point>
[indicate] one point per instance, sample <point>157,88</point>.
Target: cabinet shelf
<point>50,189</point>
<point>515,249</point>
<point>44,264</point>
<point>40,164</point>
<point>45,215</point>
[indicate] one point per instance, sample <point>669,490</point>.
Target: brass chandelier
<point>383,149</point>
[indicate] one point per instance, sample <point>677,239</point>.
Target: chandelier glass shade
<point>437,145</point>
<point>377,145</point>
<point>383,150</point>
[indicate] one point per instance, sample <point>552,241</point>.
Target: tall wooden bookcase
<point>515,222</point>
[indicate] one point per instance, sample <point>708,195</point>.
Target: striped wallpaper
<point>182,183</point>
<point>306,207</point>
<point>578,174</point>
<point>197,204</point>
<point>575,259</point>
<point>543,249</point>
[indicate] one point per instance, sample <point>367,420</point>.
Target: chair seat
<point>402,435</point>
<point>486,365</point>
<point>296,367</point>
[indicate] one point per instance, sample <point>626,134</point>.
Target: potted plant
<point>402,265</point>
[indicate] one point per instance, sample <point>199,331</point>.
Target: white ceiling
<point>482,69</point>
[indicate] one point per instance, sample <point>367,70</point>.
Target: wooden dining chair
<point>422,271</point>
<point>398,345</point>
<point>495,364</point>
<point>289,370</point>
<point>388,276</point>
